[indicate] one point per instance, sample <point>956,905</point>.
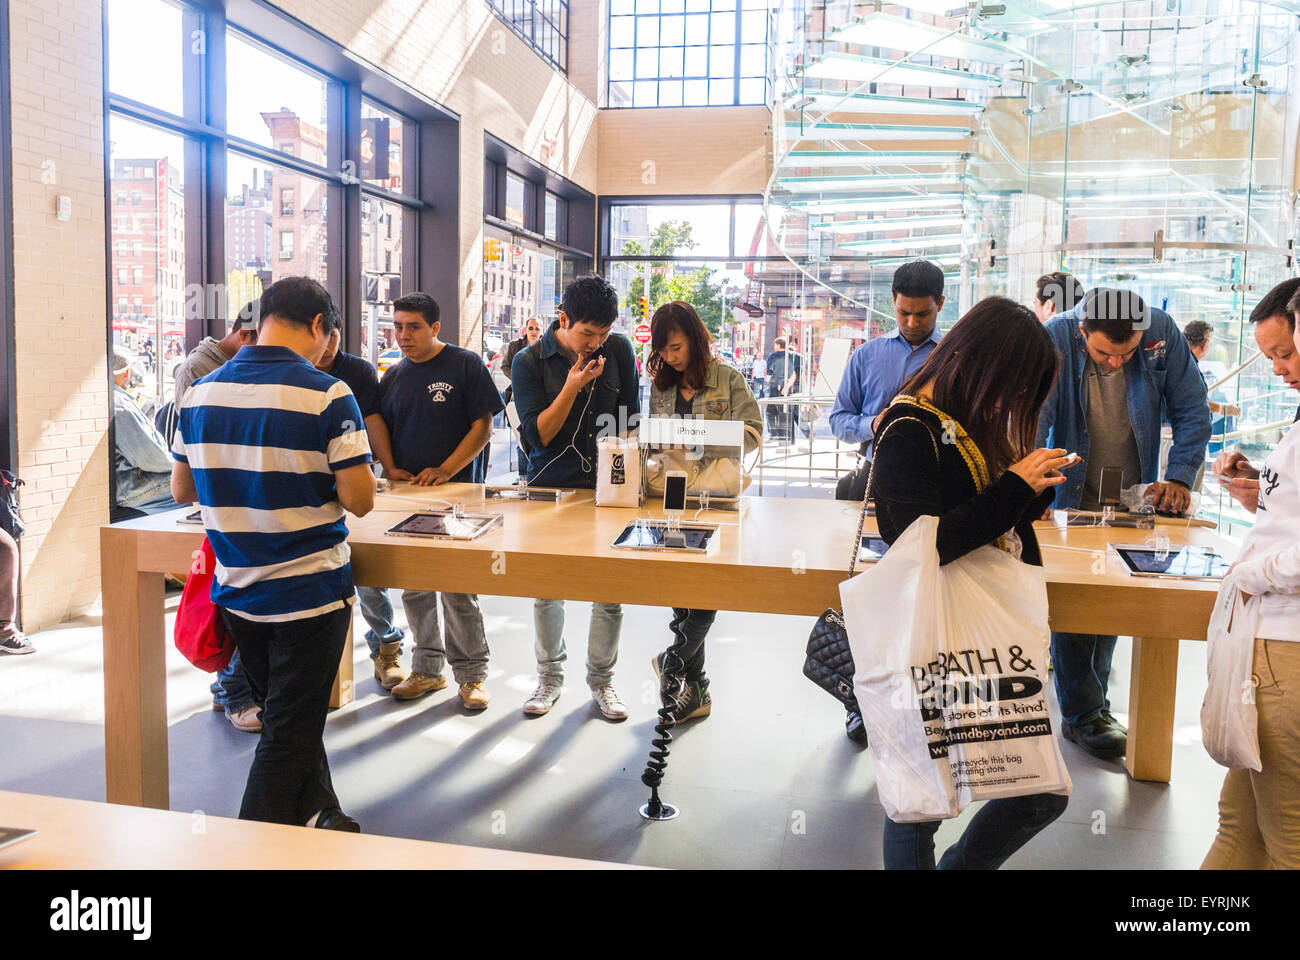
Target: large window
<point>674,53</point>
<point>240,154</point>
<point>543,23</point>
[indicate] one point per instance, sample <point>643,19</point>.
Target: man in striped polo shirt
<point>274,451</point>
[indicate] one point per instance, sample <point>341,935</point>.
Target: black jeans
<point>689,628</point>
<point>290,666</point>
<point>998,830</point>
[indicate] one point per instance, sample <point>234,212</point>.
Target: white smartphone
<point>674,493</point>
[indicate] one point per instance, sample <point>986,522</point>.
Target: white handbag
<point>618,472</point>
<point>1229,719</point>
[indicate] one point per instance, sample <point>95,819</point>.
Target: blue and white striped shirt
<point>263,436</point>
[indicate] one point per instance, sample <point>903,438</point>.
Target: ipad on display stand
<point>1178,562</point>
<point>445,525</point>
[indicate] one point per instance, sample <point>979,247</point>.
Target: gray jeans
<point>8,586</point>
<point>467,647</point>
<point>602,640</point>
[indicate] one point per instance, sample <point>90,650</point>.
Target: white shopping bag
<point>618,472</point>
<point>1229,722</point>
<point>950,676</point>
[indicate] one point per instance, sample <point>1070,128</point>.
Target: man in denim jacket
<point>1125,367</point>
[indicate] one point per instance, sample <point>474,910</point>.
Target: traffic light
<point>491,249</point>
<point>645,309</point>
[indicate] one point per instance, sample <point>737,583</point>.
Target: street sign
<point>642,334</point>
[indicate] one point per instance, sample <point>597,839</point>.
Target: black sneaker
<point>693,702</point>
<point>17,644</point>
<point>1102,736</point>
<point>854,728</point>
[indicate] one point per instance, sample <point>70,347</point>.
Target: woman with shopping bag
<point>1250,720</point>
<point>955,473</point>
<point>688,381</point>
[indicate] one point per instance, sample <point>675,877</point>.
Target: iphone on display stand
<point>674,504</point>
<point>1112,479</point>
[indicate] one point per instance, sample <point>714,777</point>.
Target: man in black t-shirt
<point>383,636</point>
<point>783,380</point>
<point>438,403</point>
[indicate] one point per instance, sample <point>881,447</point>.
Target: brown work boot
<point>388,665</point>
<point>474,695</point>
<point>417,685</point>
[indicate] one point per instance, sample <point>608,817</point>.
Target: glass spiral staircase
<point>1149,145</point>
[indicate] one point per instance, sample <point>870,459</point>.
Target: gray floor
<point>768,781</point>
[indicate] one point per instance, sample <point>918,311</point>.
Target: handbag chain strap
<point>866,497</point>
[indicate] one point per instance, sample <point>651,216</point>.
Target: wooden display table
<point>83,835</point>
<point>777,555</point>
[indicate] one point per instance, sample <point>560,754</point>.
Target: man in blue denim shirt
<point>1125,366</point>
<point>566,398</point>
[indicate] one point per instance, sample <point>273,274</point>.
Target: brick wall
<point>61,362</point>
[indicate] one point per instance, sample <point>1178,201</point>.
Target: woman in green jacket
<point>688,381</point>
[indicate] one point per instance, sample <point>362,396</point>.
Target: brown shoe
<point>248,720</point>
<point>417,685</point>
<point>474,695</point>
<point>388,665</point>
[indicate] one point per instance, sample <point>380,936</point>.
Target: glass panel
<point>263,241</point>
<point>753,60</point>
<point>147,237</point>
<point>622,31</point>
<point>647,32</point>
<point>697,62</point>
<point>697,30</point>
<point>620,65</point>
<point>516,199</point>
<point>551,225</point>
<point>670,62</point>
<point>383,230</point>
<point>381,147</point>
<point>753,91</point>
<point>753,26</point>
<point>273,102</point>
<point>644,94</point>
<point>145,45</point>
<point>670,93</point>
<point>722,61</point>
<point>695,93</point>
<point>721,93</point>
<point>647,64</point>
<point>723,26</point>
<point>672,31</point>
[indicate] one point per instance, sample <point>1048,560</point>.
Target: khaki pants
<point>1259,813</point>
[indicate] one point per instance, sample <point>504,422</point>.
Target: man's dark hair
<point>779,343</point>
<point>298,300</point>
<point>1115,314</point>
<point>249,317</point>
<point>420,303</point>
<point>1279,302</point>
<point>1061,288</point>
<point>918,278</point>
<point>590,300</point>
<point>1198,332</point>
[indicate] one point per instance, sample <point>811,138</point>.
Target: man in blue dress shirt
<point>875,372</point>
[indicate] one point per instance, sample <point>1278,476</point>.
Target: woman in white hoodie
<point>1259,811</point>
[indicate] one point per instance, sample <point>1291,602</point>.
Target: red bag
<point>200,632</point>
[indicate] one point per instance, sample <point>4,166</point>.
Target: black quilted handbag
<point>828,661</point>
<point>10,520</point>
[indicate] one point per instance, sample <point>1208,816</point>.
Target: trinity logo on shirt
<point>438,392</point>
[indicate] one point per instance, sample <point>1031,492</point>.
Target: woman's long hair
<point>992,373</point>
<point>680,316</point>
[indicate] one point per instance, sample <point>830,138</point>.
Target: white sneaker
<point>543,698</point>
<point>610,703</point>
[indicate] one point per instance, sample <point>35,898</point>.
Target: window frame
<point>8,394</point>
<point>434,131</point>
<point>530,35</point>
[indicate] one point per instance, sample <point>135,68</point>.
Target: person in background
<point>1259,811</point>
<point>12,640</point>
<point>758,374</point>
<point>875,372</point>
<point>382,636</point>
<point>438,402</point>
<point>1200,337</point>
<point>231,692</point>
<point>1274,323</point>
<point>285,591</point>
<point>1126,368</point>
<point>984,385</point>
<point>1056,293</point>
<point>141,463</point>
<point>573,383</point>
<point>688,381</point>
<point>532,333</point>
<point>783,381</point>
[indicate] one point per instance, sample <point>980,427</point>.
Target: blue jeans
<point>998,830</point>
<point>1081,665</point>
<point>231,690</point>
<point>377,611</point>
<point>602,640</point>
